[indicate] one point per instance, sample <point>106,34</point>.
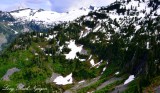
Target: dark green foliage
<point>90,24</point>
<point>66,50</point>
<point>98,15</point>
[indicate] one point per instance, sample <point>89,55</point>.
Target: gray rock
<point>20,86</point>
<point>84,52</point>
<point>53,77</point>
<point>108,82</point>
<point>157,89</point>
<point>9,73</point>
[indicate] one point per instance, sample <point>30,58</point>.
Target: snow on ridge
<point>131,78</point>
<point>97,28</point>
<point>48,17</point>
<point>134,5</point>
<point>74,49</point>
<point>60,80</point>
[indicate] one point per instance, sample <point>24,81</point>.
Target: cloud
<point>66,5</point>
<point>34,1</point>
<point>54,5</point>
<point>10,5</point>
<point>61,5</point>
<point>36,4</point>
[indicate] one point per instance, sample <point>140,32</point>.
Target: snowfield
<point>48,17</point>
<point>116,73</point>
<point>92,62</point>
<point>60,80</point>
<point>74,49</point>
<point>131,78</point>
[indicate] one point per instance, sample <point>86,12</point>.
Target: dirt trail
<point>81,85</point>
<point>108,82</point>
<point>85,84</point>
<point>120,88</point>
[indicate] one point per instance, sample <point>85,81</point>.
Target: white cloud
<point>66,5</point>
<point>55,5</point>
<point>16,4</point>
<point>36,4</point>
<point>14,7</point>
<point>34,1</point>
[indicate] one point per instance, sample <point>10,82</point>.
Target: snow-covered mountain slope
<point>133,8</point>
<point>10,28</point>
<point>48,17</point>
<point>26,19</point>
<point>121,14</point>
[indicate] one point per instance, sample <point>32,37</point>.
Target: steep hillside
<point>24,20</point>
<point>10,28</point>
<point>112,49</point>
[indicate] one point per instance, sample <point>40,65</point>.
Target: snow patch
<point>98,64</point>
<point>50,37</point>
<point>85,33</point>
<point>50,54</point>
<point>60,48</point>
<point>90,57</point>
<point>36,54</point>
<point>147,45</point>
<point>131,78</point>
<point>138,27</point>
<point>60,80</point>
<point>15,32</point>
<point>74,49</point>
<point>158,11</point>
<point>104,69</point>
<point>40,34</point>
<point>92,63</point>
<point>97,28</point>
<point>116,73</point>
<point>81,81</point>
<point>82,60</point>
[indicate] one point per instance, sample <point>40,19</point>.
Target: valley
<point>109,49</point>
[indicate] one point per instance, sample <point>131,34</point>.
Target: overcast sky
<point>54,5</point>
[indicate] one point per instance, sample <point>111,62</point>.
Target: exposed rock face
<point>20,86</point>
<point>53,77</point>
<point>157,89</point>
<point>9,73</point>
<point>2,39</point>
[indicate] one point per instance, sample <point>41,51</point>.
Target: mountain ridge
<point>50,17</point>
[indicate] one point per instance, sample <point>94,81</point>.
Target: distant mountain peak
<point>92,7</point>
<point>47,17</point>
